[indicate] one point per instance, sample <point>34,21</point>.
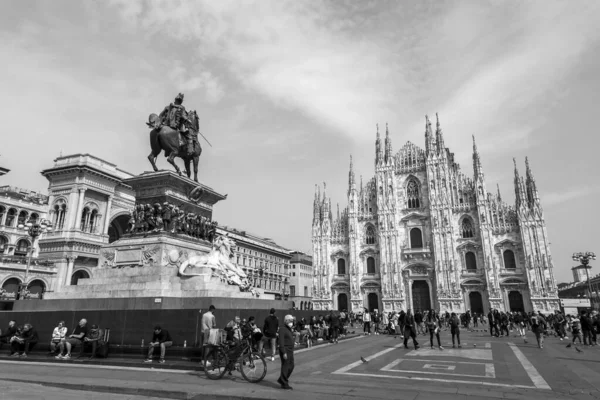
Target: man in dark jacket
<point>162,339</point>
<point>25,342</point>
<point>286,352</point>
<point>335,326</point>
<point>9,333</point>
<point>270,329</point>
<point>586,328</point>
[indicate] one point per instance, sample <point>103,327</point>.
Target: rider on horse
<point>175,116</point>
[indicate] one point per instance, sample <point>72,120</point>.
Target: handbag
<point>214,337</point>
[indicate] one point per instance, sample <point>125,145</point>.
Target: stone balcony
<point>19,263</point>
<point>421,252</point>
<point>341,278</point>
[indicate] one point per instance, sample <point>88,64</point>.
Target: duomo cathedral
<point>421,234</point>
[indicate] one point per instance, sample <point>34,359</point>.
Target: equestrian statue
<point>175,131</point>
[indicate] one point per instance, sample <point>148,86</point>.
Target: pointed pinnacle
<point>387,132</point>
<point>474,144</point>
<point>437,120</point>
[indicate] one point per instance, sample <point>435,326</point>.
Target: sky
<point>286,91</point>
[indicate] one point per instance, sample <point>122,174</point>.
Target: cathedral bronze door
<point>373,301</point>
<point>342,302</point>
<point>515,301</point>
<point>476,302</point>
<point>420,296</point>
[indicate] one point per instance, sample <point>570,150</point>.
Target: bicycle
<point>227,358</point>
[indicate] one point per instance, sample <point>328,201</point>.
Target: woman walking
<point>432,325</point>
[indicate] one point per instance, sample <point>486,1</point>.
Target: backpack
<point>342,315</point>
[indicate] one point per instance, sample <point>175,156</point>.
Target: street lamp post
<point>34,229</point>
<point>584,259</point>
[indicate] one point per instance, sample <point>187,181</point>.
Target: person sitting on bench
<point>74,339</point>
<point>25,342</point>
<point>95,337</point>
<point>58,335</point>
<point>162,339</point>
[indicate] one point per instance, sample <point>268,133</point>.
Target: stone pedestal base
<point>137,266</point>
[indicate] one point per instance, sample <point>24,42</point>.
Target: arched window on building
<point>11,217</point>
<point>416,239</point>
<point>3,244</point>
<point>471,261</point>
<point>370,235</point>
<point>93,221</point>
<point>84,217</point>
<point>466,228</point>
<point>23,217</point>
<point>509,260</point>
<point>58,217</point>
<point>22,247</point>
<point>341,266</point>
<point>412,194</point>
<point>371,265</point>
<point>34,217</point>
<point>77,275</point>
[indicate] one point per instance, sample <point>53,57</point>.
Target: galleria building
<point>421,234</point>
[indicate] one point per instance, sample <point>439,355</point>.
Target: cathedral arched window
<point>412,194</point>
<point>466,228</point>
<point>370,265</point>
<point>22,247</point>
<point>341,266</point>
<point>416,238</point>
<point>471,261</point>
<point>370,235</point>
<point>509,260</point>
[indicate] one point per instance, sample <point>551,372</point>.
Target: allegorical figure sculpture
<point>219,261</point>
<point>175,131</point>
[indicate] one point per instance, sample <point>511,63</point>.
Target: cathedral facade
<point>421,234</point>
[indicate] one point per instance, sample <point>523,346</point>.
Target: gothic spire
<point>388,144</point>
<point>338,211</point>
<point>351,179</point>
<point>316,207</point>
<point>429,141</point>
<point>476,160</point>
<point>531,187</point>
<point>499,195</point>
<point>378,149</point>
<point>439,137</point>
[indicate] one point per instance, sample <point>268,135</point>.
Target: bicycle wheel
<point>253,367</point>
<point>215,363</point>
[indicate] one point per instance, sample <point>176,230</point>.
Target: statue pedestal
<point>168,186</point>
<point>138,266</point>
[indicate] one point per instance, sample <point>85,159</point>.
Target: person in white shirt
<point>58,335</point>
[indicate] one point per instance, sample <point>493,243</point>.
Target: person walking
<point>270,329</point>
<point>410,330</point>
<point>538,326</point>
<point>367,322</point>
<point>455,329</point>
<point>335,326</point>
<point>432,325</point>
<point>286,352</point>
<point>208,322</point>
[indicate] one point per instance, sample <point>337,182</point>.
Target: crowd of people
<point>23,338</point>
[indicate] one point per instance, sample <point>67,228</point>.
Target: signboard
<point>575,303</point>
<point>571,311</point>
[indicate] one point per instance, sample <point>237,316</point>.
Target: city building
<point>301,273</point>
<point>422,234</point>
<point>580,289</point>
<point>264,261</point>
<point>18,206</point>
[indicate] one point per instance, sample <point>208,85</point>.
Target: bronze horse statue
<point>163,137</point>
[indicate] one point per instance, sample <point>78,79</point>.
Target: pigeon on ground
<point>569,346</point>
<point>525,340</point>
<point>363,360</point>
<point>578,349</point>
<point>395,337</point>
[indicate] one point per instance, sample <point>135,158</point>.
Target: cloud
<point>204,80</point>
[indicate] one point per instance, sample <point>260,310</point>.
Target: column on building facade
<point>107,215</point>
<point>70,265</point>
<point>3,219</point>
<point>77,217</point>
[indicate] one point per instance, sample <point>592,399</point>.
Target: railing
<point>4,259</point>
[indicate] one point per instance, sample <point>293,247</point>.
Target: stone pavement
<point>32,391</point>
<point>485,367</point>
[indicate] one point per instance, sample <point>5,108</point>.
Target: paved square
<point>439,367</point>
<point>502,364</point>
